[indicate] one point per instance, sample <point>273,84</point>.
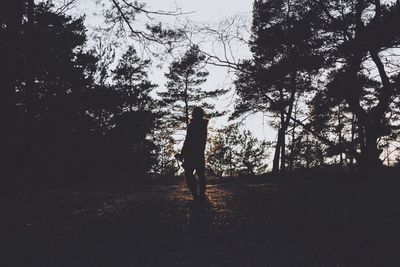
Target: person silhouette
<point>193,154</point>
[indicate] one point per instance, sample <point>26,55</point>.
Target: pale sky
<point>208,12</point>
<point>212,12</point>
<point>204,12</point>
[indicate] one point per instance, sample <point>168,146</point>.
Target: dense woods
<point>133,135</point>
<point>340,60</point>
<point>326,73</point>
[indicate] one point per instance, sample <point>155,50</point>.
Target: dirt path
<point>242,225</point>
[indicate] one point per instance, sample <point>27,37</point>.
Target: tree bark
<point>275,162</point>
<point>308,161</point>
<point>370,157</point>
<point>285,117</point>
<point>291,162</point>
<point>283,143</point>
<point>293,85</point>
<point>340,134</point>
<point>352,139</point>
<point>186,100</point>
<point>291,157</point>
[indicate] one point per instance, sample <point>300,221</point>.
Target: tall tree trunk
<point>353,129</point>
<point>340,134</point>
<point>292,146</point>
<point>370,157</point>
<point>281,133</point>
<point>361,137</point>
<point>186,100</point>
<point>283,144</point>
<point>369,122</point>
<point>275,162</point>
<point>286,121</point>
<point>291,161</point>
<point>308,161</point>
<point>387,154</point>
<point>285,117</point>
<point>377,115</point>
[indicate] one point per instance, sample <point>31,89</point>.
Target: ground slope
<point>336,222</point>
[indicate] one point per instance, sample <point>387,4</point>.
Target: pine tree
<point>251,154</point>
<point>134,121</point>
<point>283,62</point>
<point>185,77</point>
<point>233,152</point>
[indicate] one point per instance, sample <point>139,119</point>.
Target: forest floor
<point>292,222</point>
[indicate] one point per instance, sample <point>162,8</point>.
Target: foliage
<point>284,60</point>
<point>166,164</point>
<point>340,52</point>
<point>233,152</point>
<point>74,125</point>
<point>185,77</point>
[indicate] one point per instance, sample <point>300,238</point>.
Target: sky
<point>200,12</point>
<point>205,10</point>
<point>209,12</point>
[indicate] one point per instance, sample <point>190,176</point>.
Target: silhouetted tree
<point>332,118</point>
<point>233,152</point>
<point>221,151</point>
<point>78,117</point>
<point>165,143</point>
<point>134,122</point>
<point>360,33</point>
<point>50,87</point>
<point>252,153</point>
<point>290,37</point>
<point>154,37</point>
<point>282,43</point>
<point>185,77</point>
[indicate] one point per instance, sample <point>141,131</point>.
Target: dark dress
<point>195,144</point>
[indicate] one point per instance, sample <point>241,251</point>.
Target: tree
<point>221,158</point>
<point>252,153</point>
<point>353,37</point>
<point>361,38</point>
<point>134,121</point>
<point>284,59</point>
<point>165,143</point>
<point>121,18</point>
<point>233,152</point>
<point>132,83</point>
<point>332,118</point>
<point>185,77</point>
<point>80,125</point>
<point>49,87</point>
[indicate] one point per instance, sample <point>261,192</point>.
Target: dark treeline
<point>328,73</point>
<point>338,60</point>
<point>73,113</point>
<point>69,115</point>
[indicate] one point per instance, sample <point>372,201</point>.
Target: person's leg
<point>191,182</point>
<point>202,181</point>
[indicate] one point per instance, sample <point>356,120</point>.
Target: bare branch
<point>140,8</point>
<point>66,6</point>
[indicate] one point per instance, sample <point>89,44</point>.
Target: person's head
<point>197,113</point>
